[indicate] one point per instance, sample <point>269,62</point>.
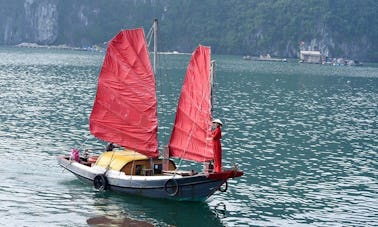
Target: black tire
<point>225,187</point>
<point>100,182</point>
<point>171,187</point>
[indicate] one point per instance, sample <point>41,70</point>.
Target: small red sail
<point>191,135</point>
<point>125,108</point>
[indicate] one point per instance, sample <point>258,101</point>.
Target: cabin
<point>310,57</point>
<point>133,163</point>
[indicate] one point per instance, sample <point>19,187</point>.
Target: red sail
<point>124,111</point>
<point>191,135</point>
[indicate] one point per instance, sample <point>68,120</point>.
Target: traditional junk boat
<point>125,113</point>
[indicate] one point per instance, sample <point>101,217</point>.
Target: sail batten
<point>191,134</point>
<point>125,107</point>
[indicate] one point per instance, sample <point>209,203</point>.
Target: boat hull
<point>197,187</point>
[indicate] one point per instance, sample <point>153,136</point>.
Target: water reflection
<point>124,208</point>
<point>107,221</point>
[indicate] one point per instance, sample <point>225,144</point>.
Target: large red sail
<point>124,111</point>
<point>191,135</point>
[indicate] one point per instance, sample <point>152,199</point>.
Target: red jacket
<point>217,135</point>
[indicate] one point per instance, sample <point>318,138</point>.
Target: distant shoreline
<point>62,46</point>
<point>92,48</point>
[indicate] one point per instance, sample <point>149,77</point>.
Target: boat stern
<point>225,174</point>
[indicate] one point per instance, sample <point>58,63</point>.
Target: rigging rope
<point>221,113</point>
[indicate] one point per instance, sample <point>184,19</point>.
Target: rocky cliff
<point>72,22</point>
<point>340,28</point>
<point>29,21</point>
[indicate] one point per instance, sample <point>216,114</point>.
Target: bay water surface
<point>306,137</point>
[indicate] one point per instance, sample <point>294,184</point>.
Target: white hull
<point>197,187</point>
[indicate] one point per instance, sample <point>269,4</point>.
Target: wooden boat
<point>125,113</point>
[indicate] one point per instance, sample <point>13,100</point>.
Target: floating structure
<point>266,57</point>
<point>307,56</point>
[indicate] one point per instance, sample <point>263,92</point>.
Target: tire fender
<point>171,187</point>
<point>225,187</point>
<point>100,182</point>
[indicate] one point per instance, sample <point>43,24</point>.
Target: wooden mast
<point>212,75</point>
<point>155,29</point>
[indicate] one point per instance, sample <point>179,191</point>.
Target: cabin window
<point>138,169</point>
<point>158,168</point>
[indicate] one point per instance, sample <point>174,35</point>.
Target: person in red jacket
<point>217,135</point>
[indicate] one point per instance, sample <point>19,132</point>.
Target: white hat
<point>217,121</point>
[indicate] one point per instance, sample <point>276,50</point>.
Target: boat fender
<point>225,187</point>
<point>171,187</point>
<point>100,182</point>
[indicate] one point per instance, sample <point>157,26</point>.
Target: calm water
<point>305,135</point>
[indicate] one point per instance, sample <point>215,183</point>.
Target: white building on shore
<point>307,56</point>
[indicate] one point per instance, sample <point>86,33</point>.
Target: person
<point>217,147</point>
<point>75,156</point>
<point>110,147</point>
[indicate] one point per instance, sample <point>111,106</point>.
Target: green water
<point>305,136</point>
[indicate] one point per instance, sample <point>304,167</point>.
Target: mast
<point>212,75</point>
<point>155,28</point>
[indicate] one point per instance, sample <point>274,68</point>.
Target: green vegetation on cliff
<point>338,28</point>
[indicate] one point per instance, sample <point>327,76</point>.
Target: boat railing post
<point>165,164</point>
<point>208,167</point>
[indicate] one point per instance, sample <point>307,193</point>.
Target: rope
<point>220,109</point>
<point>217,106</point>
<point>149,36</point>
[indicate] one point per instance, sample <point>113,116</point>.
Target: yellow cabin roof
<point>118,159</point>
